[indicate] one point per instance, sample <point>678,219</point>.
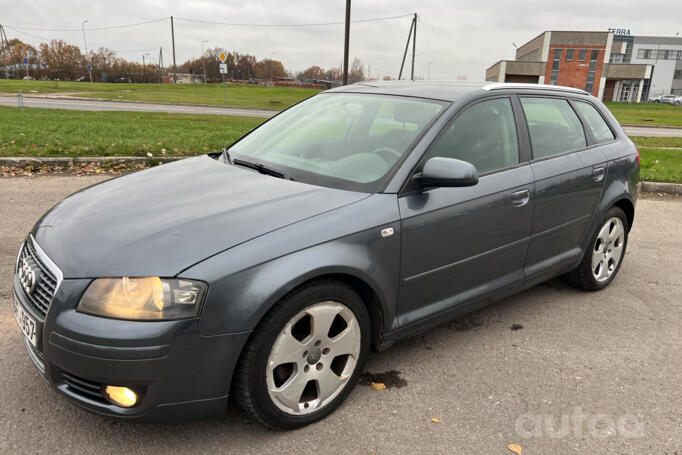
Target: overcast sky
<point>454,38</point>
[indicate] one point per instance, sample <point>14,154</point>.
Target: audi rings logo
<point>29,274</point>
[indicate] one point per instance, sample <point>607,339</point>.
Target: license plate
<point>26,323</point>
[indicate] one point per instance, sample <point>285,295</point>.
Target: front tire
<point>305,356</point>
<point>605,253</point>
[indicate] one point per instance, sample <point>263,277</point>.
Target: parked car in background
<point>361,216</point>
<point>665,99</point>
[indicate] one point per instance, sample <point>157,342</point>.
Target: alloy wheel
<point>608,249</point>
<point>313,357</point>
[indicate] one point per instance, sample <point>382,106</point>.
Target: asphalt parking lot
<point>552,369</point>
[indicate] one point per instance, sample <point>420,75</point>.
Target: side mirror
<point>448,172</point>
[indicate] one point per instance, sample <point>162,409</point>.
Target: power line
<point>23,28</point>
<point>320,24</point>
<point>110,27</point>
<point>122,51</point>
<point>134,50</point>
<point>27,34</point>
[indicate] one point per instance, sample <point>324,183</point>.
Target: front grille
<point>84,388</point>
<point>42,295</point>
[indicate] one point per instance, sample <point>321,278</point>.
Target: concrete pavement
<point>85,104</point>
<point>607,363</point>
<point>652,131</point>
<point>96,105</point>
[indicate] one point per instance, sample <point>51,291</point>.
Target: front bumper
<point>181,374</point>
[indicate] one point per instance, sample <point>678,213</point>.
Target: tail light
<point>639,159</point>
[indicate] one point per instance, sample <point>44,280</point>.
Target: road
<point>652,132</point>
<point>608,362</point>
<point>95,105</point>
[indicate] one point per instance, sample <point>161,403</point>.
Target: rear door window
<point>595,122</point>
<point>553,125</point>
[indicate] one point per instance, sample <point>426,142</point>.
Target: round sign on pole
<point>89,67</point>
<point>25,60</point>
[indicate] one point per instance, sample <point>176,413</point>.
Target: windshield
<point>341,140</point>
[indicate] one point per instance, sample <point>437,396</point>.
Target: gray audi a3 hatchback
<point>362,215</point>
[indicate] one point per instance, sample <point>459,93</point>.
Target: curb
<point>638,125</point>
<point>656,187</point>
<point>22,162</point>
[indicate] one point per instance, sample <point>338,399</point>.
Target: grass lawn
<point>661,165</point>
<point>646,113</point>
<point>65,133</point>
<point>238,95</point>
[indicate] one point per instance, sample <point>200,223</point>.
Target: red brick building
<point>573,59</point>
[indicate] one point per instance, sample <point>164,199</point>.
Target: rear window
<point>598,126</point>
<point>553,125</point>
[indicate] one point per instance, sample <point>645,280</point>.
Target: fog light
<point>121,396</point>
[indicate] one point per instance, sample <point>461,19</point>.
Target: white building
<point>664,54</point>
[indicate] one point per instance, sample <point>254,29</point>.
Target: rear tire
<point>305,356</point>
<point>605,253</point>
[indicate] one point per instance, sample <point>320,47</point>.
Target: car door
<point>569,176</point>
<point>459,245</point>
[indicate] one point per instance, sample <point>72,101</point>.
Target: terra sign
<point>620,31</point>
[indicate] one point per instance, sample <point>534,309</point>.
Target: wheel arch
<point>615,195</point>
<point>361,285</point>
<point>627,207</point>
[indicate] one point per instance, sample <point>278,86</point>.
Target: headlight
<point>147,298</point>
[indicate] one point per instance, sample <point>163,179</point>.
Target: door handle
<point>520,198</point>
<point>598,174</point>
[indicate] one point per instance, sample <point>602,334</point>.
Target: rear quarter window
<point>553,125</point>
<point>595,122</point>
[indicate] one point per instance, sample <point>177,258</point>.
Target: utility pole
<point>160,63</point>
<point>175,66</point>
<point>203,59</point>
<point>4,49</point>
<point>407,46</point>
<point>144,68</point>
<point>87,59</point>
<point>345,44</point>
<point>414,44</point>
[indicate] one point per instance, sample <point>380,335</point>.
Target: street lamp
<point>271,54</point>
<point>144,68</point>
<point>203,60</point>
<point>86,49</point>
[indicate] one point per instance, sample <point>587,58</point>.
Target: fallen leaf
<point>515,448</point>
<point>377,386</point>
<point>435,420</point>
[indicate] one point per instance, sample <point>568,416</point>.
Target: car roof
<point>445,90</point>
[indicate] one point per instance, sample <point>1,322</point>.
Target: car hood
<point>160,221</point>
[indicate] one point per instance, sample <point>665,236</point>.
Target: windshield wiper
<point>262,168</point>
